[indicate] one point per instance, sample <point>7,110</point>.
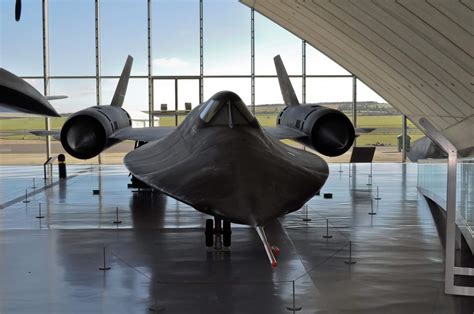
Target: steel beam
<point>303,72</point>
<point>354,104</point>
<point>47,121</point>
<point>252,60</point>
<point>404,138</point>
<point>201,52</point>
<point>151,120</point>
<point>98,89</point>
<point>98,85</point>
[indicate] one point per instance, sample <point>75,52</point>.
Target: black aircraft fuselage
<point>221,162</point>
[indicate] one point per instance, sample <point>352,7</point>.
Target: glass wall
<point>178,53</point>
<point>432,182</point>
<point>226,38</point>
<point>373,112</point>
<point>175,37</point>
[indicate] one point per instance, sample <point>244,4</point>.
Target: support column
<point>354,104</point>
<point>98,85</point>
<point>303,72</point>
<point>252,59</point>
<point>404,138</point>
<point>151,109</point>
<point>176,102</point>
<point>201,52</point>
<point>98,89</point>
<point>47,120</point>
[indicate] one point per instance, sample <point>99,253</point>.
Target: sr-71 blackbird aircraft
<point>219,160</point>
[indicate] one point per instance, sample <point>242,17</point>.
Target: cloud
<point>170,62</point>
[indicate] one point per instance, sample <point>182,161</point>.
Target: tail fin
<point>287,91</point>
<point>121,89</point>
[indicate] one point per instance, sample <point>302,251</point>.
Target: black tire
<point>227,234</point>
<point>209,233</point>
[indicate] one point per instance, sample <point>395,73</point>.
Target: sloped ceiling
<point>418,55</point>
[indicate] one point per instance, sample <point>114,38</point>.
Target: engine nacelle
<point>329,131</point>
<point>87,133</point>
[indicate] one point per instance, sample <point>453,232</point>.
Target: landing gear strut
<point>218,233</point>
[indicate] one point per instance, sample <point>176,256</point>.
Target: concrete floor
<point>158,258</point>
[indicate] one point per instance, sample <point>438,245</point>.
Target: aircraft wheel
<point>227,234</point>
<point>209,233</point>
<point>276,250</point>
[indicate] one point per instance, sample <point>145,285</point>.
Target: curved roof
<point>418,55</point>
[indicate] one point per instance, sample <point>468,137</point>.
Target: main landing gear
<point>218,233</point>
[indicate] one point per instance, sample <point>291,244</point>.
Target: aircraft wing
<point>284,133</point>
<point>135,134</point>
<point>56,134</point>
<point>360,131</point>
<point>142,134</point>
<point>18,95</point>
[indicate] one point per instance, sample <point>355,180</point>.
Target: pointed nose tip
<point>50,111</point>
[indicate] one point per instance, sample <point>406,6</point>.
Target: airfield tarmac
<point>158,260</point>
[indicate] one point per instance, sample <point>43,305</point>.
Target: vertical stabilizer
<point>287,91</point>
<point>121,89</point>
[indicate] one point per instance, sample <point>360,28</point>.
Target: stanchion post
<point>156,307</point>
<point>26,197</point>
<point>350,261</point>
<point>294,308</point>
<point>377,197</point>
<point>105,267</point>
<point>327,236</point>
<point>372,208</point>
<point>306,218</point>
<point>369,180</point>
<point>117,221</point>
<point>34,184</point>
<point>39,212</point>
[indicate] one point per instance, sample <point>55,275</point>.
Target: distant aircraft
<point>220,160</point>
<point>18,95</point>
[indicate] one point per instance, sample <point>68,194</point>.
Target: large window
<point>226,38</point>
<point>71,37</point>
<point>240,86</point>
<point>272,40</point>
<point>175,37</point>
<point>80,92</point>
<point>21,48</point>
<point>318,63</point>
<point>374,112</point>
<point>123,32</point>
<point>175,61</point>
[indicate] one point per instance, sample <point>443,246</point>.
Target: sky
<point>175,51</point>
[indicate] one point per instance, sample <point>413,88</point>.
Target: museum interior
<point>222,156</point>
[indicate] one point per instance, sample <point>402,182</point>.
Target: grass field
<point>388,127</point>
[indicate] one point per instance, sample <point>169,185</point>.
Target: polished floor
<point>158,260</point>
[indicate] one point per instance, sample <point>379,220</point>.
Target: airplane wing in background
<point>284,133</point>
<point>134,134</point>
<point>142,134</point>
<point>56,134</point>
<point>18,95</point>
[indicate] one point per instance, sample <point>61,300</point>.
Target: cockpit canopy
<point>226,109</point>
